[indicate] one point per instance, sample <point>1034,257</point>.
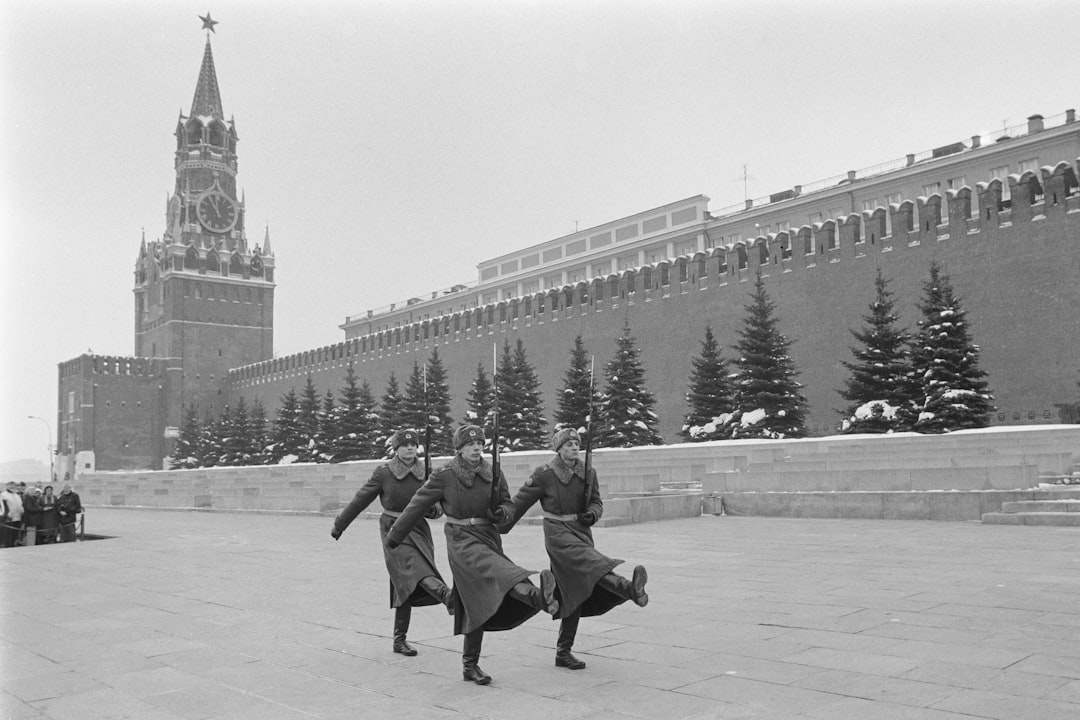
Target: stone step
<point>1041,506</point>
<point>1060,519</point>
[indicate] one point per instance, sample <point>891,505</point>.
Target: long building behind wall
<point>1001,215</point>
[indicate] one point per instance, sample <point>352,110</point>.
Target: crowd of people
<point>35,516</point>
<point>490,592</point>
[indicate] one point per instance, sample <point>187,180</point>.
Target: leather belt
<point>466,521</point>
<point>391,513</point>
<point>560,518</point>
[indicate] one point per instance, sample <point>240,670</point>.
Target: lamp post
<point>49,446</point>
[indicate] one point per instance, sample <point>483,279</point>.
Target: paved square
<point>199,615</point>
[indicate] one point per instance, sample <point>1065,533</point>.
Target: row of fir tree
<point>923,381</point>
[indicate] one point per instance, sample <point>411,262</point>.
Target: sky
<point>390,147</point>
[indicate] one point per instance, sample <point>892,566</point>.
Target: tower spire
<point>207,100</point>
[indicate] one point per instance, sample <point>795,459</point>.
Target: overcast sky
<point>391,146</point>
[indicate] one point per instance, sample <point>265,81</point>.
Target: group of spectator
<point>35,516</point>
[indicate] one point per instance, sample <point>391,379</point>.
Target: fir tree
<point>767,400</point>
<point>308,422</point>
<point>210,438</point>
<point>479,401</point>
<point>710,395</point>
<point>503,401</point>
<point>391,420</point>
<point>235,439</point>
<point>573,405</point>
<point>257,434</point>
<point>530,425</point>
<point>880,394</point>
<point>188,453</point>
<point>328,421</point>
<point>414,404</point>
<point>287,437</point>
<point>438,408</point>
<point>356,429</point>
<point>946,363</point>
<point>626,409</point>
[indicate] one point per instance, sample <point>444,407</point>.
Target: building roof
<point>207,100</point>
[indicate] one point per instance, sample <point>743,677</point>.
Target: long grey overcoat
<point>575,562</point>
<point>483,575</point>
<point>394,484</point>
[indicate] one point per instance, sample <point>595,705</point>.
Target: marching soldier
<point>587,586</point>
<point>490,591</point>
<point>414,580</point>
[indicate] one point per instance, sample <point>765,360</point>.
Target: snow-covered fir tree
<point>710,394</point>
<point>522,409</point>
<point>414,403</point>
<point>626,417</point>
<point>210,438</point>
<point>479,401</point>
<point>438,408</point>
<point>308,422</point>
<point>328,432</point>
<point>767,400</point>
<point>356,421</point>
<point>287,438</point>
<point>391,420</point>
<point>573,404</point>
<point>257,433</point>
<point>187,453</point>
<point>946,363</point>
<point>881,396</point>
<point>234,436</point>
<point>503,403</point>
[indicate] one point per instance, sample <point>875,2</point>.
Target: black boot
<point>633,590</point>
<point>567,632</point>
<point>402,615</point>
<point>470,656</point>
<point>439,590</point>
<point>540,598</point>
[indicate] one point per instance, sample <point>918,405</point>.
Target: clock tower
<point>203,295</point>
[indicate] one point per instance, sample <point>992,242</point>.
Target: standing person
<point>31,514</point>
<point>491,592</point>
<point>414,580</point>
<point>587,585</point>
<point>50,521</point>
<point>11,515</point>
<point>68,507</point>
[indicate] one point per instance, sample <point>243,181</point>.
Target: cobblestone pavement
<point>200,615</point>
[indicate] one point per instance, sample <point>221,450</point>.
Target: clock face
<point>216,212</point>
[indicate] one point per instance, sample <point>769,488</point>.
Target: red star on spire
<point>208,22</point>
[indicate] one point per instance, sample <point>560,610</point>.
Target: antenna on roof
<point>745,177</point>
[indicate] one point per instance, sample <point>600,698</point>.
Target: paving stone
<point>199,615</point>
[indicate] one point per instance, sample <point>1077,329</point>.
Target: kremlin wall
<point>1013,265</point>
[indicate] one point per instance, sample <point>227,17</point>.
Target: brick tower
<point>202,294</point>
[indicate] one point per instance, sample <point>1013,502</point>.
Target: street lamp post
<point>49,446</point>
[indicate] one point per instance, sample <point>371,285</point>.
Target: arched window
<point>191,259</point>
<point>256,266</point>
<point>235,266</point>
<point>217,134</point>
<point>213,262</point>
<point>194,132</point>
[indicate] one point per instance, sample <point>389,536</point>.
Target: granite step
<point>1060,519</point>
<point>1063,506</point>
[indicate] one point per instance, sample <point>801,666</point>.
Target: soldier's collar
<point>466,472</point>
<point>401,470</point>
<point>565,472</point>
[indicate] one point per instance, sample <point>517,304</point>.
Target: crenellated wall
<point>1014,266</point>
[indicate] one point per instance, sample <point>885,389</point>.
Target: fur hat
<point>467,434</point>
<point>404,437</point>
<point>562,435</point>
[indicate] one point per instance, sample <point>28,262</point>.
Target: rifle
<point>494,501</point>
<point>588,438</point>
<point>427,431</point>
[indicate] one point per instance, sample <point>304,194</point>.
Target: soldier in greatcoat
<point>586,584</point>
<point>490,591</point>
<point>414,579</point>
